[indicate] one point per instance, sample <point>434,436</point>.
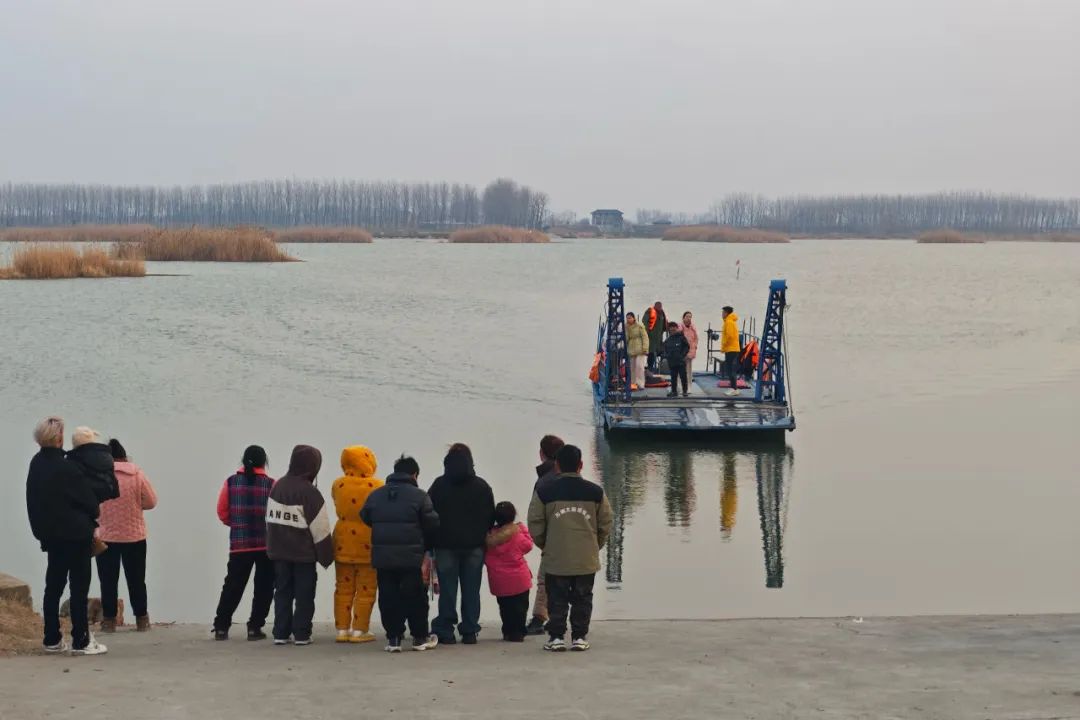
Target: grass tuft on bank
<point>498,234</point>
<point>724,234</point>
<point>55,261</point>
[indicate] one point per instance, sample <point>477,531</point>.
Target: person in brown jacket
<point>297,537</point>
<point>570,518</point>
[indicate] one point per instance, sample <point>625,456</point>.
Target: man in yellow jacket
<point>730,346</point>
<point>354,595</point>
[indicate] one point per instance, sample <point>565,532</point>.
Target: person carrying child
<point>509,576</point>
<point>403,524</point>
<point>354,594</point>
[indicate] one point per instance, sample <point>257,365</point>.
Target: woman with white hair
<point>95,460</point>
<point>63,513</point>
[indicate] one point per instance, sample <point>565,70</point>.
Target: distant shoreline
<point>104,234</point>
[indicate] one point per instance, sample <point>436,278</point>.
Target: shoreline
<point>954,666</point>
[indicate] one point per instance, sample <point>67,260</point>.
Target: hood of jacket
<point>458,468</point>
<point>398,478</point>
<point>500,535</point>
<point>123,467</point>
<point>358,461</point>
<point>96,456</point>
<point>304,464</point>
<point>544,468</point>
<point>733,319</point>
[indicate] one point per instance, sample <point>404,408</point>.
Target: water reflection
<point>773,472</point>
<point>683,469</point>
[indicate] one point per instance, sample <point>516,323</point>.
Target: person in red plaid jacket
<point>242,507</point>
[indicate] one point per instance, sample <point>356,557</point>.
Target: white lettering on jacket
<point>571,509</point>
<point>291,515</point>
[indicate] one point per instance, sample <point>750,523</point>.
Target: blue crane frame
<point>770,370</point>
<point>615,349</point>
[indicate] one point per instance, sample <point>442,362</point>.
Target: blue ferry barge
<point>760,407</point>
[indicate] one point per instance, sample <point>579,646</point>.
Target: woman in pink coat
<point>123,529</point>
<point>689,331</point>
<point>508,574</point>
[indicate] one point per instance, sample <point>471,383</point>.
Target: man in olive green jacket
<point>569,519</point>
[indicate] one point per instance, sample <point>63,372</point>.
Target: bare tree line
<point>276,203</point>
<point>507,203</point>
<point>898,215</point>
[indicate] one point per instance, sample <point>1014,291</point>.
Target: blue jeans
<point>464,567</point>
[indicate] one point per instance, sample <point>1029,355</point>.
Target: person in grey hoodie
<point>297,536</point>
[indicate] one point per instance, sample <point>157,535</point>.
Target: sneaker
<point>448,640</point>
<point>361,636</point>
<point>432,641</point>
<point>686,394</point>
<point>92,648</point>
<point>393,645</point>
<point>221,634</point>
<point>579,645</point>
<point>555,644</point>
<point>342,636</point>
<point>142,623</point>
<point>300,643</point>
<point>468,639</point>
<point>281,641</point>
<point>514,638</point>
<point>673,394</point>
<point>732,393</point>
<point>535,627</point>
<point>256,634</point>
<point>59,647</point>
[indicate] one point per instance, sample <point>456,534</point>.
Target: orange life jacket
<point>594,372</point>
<point>651,322</point>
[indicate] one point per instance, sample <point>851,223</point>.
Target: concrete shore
<point>943,667</point>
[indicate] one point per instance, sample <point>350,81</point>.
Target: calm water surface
<point>937,388</point>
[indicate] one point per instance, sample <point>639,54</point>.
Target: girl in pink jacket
<point>122,527</point>
<point>508,574</point>
<point>689,331</point>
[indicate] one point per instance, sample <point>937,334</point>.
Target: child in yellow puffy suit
<point>354,595</point>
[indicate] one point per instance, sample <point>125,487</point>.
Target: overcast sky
<point>666,103</point>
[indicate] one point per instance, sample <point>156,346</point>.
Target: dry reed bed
<point>75,233</point>
<point>50,261</point>
<point>239,244</point>
<point>498,234</point>
<point>316,234</point>
<point>724,234</point>
<point>946,236</point>
<point>950,236</point>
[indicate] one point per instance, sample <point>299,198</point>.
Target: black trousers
<point>677,372</point>
<point>403,597</point>
<point>294,599</point>
<point>569,594</point>
<point>514,611</point>
<point>133,558</point>
<point>236,579</point>
<point>731,367</point>
<point>67,561</point>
